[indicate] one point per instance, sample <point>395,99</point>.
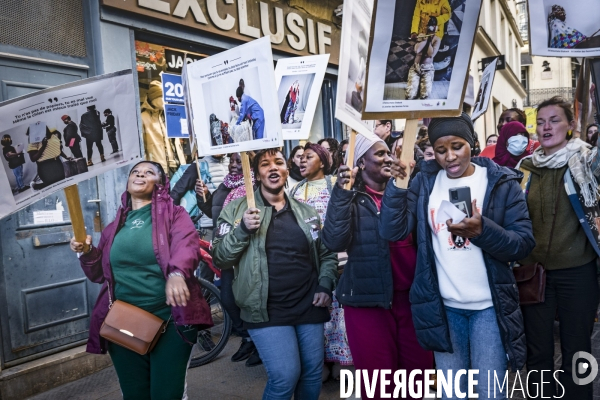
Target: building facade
<point>498,35</point>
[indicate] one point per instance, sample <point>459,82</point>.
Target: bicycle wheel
<point>211,341</point>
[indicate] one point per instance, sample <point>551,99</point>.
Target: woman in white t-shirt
<point>465,303</point>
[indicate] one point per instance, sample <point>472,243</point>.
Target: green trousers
<point>159,375</point>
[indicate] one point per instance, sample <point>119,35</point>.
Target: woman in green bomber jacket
<point>284,278</point>
<point>562,196</point>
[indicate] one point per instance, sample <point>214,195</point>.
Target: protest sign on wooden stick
<point>408,150</point>
<point>76,215</point>
<point>248,179</point>
<point>350,159</point>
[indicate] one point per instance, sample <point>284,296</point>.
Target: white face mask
<point>516,145</point>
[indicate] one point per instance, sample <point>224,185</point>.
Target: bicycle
<point>211,342</point>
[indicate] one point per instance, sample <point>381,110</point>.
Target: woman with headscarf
<point>231,189</point>
<point>513,144</point>
<point>464,298</point>
<point>562,191</point>
<point>315,188</point>
<point>146,257</point>
<point>562,36</point>
<point>378,275</point>
<point>293,163</point>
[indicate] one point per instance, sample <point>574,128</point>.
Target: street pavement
<point>223,380</point>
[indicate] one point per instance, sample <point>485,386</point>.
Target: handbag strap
<point>110,304</point>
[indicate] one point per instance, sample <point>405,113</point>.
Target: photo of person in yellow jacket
<point>426,9</point>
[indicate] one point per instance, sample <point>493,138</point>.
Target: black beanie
<point>460,126</point>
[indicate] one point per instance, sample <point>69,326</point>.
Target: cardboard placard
<point>211,94</point>
<point>70,116</point>
<point>418,65</point>
<point>299,81</point>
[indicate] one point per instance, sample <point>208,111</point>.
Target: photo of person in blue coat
<point>251,109</point>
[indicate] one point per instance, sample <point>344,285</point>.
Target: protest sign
<point>419,56</point>
<point>67,134</point>
<point>231,100</point>
<point>564,28</point>
<point>352,67</point>
<point>299,82</point>
<point>485,90</point>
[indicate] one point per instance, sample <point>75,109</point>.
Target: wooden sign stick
<point>248,180</point>
<point>350,154</point>
<point>76,215</point>
<point>408,150</point>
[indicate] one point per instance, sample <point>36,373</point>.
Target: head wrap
<point>460,126</point>
<point>323,154</point>
<point>363,144</point>
<point>503,157</point>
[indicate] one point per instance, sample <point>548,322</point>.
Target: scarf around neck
<point>236,184</point>
<point>579,156</point>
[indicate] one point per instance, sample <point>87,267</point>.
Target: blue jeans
<point>18,172</point>
<point>477,345</point>
<point>293,357</point>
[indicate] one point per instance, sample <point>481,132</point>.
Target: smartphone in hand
<point>461,198</point>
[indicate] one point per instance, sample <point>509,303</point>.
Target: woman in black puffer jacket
<point>374,286</point>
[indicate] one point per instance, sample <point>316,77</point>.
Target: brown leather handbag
<point>531,278</point>
<point>531,282</point>
<point>131,327</point>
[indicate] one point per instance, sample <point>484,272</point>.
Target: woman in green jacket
<point>284,278</point>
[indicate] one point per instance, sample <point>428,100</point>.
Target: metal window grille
<point>55,26</point>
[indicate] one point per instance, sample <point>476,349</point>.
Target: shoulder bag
<point>531,278</point>
<point>131,327</point>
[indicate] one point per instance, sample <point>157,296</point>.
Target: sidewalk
<point>224,380</point>
<point>219,380</point>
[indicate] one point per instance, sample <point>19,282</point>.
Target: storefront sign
<point>291,30</point>
<point>175,60</point>
<point>172,89</point>
<point>173,116</point>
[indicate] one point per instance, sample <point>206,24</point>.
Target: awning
<point>526,59</point>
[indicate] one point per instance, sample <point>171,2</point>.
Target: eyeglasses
<point>378,125</point>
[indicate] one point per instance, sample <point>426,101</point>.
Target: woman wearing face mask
<point>513,144</point>
<point>315,188</point>
<point>562,191</point>
<point>464,299</point>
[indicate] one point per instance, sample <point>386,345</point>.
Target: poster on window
<point>419,57</point>
<point>62,135</point>
<point>299,81</point>
<point>232,100</point>
<point>485,90</point>
<point>356,25</point>
<point>564,28</point>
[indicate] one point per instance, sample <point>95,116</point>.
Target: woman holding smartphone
<point>464,298</point>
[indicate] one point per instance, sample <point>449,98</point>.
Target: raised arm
<point>514,239</point>
<point>337,233</point>
<point>398,217</point>
<point>231,240</point>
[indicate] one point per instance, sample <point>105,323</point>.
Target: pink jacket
<point>176,246</point>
